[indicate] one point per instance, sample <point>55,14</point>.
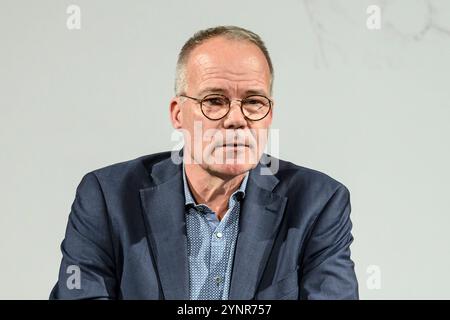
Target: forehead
<point>230,64</point>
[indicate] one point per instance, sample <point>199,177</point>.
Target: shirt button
<point>218,280</point>
<point>219,235</point>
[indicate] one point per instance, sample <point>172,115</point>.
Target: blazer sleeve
<point>87,269</point>
<point>328,271</point>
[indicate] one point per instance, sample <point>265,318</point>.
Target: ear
<point>175,113</point>
<point>271,113</point>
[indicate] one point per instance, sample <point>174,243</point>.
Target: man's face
<point>236,69</point>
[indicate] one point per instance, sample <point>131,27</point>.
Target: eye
<point>215,101</point>
<point>255,102</point>
<point>252,101</point>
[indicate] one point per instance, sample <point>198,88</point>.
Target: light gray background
<point>369,108</point>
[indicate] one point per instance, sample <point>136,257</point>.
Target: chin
<point>232,161</point>
<point>230,170</point>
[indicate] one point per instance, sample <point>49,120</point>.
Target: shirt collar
<point>189,199</point>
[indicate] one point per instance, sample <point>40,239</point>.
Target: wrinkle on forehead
<point>230,84</point>
<point>228,64</point>
<point>250,62</point>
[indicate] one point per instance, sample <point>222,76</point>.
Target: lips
<point>234,145</point>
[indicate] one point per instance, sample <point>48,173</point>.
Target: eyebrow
<point>252,92</point>
<point>211,90</point>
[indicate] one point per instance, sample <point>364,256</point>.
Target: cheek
<point>200,131</point>
<point>189,120</point>
<point>186,118</point>
<point>211,133</point>
<point>261,135</point>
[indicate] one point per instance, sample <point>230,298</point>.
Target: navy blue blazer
<point>126,234</point>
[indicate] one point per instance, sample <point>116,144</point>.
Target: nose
<point>235,119</point>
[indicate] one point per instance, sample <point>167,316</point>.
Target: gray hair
<point>230,32</point>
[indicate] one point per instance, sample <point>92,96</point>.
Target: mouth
<point>235,145</point>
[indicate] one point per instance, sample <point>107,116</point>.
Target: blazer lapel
<point>261,213</point>
<point>163,206</point>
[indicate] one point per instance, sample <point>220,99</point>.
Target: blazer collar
<point>164,213</point>
<point>168,169</point>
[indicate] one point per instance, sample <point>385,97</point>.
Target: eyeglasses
<point>217,106</point>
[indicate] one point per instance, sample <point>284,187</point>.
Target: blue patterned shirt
<point>211,245</point>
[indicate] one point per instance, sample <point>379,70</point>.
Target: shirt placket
<point>218,258</point>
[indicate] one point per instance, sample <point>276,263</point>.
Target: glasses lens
<point>256,107</point>
<point>215,106</point>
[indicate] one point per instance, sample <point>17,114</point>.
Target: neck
<point>210,189</point>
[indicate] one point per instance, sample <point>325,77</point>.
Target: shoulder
<point>298,179</point>
<point>311,194</point>
<point>127,173</point>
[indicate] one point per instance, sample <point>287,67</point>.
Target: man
<point>220,223</point>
